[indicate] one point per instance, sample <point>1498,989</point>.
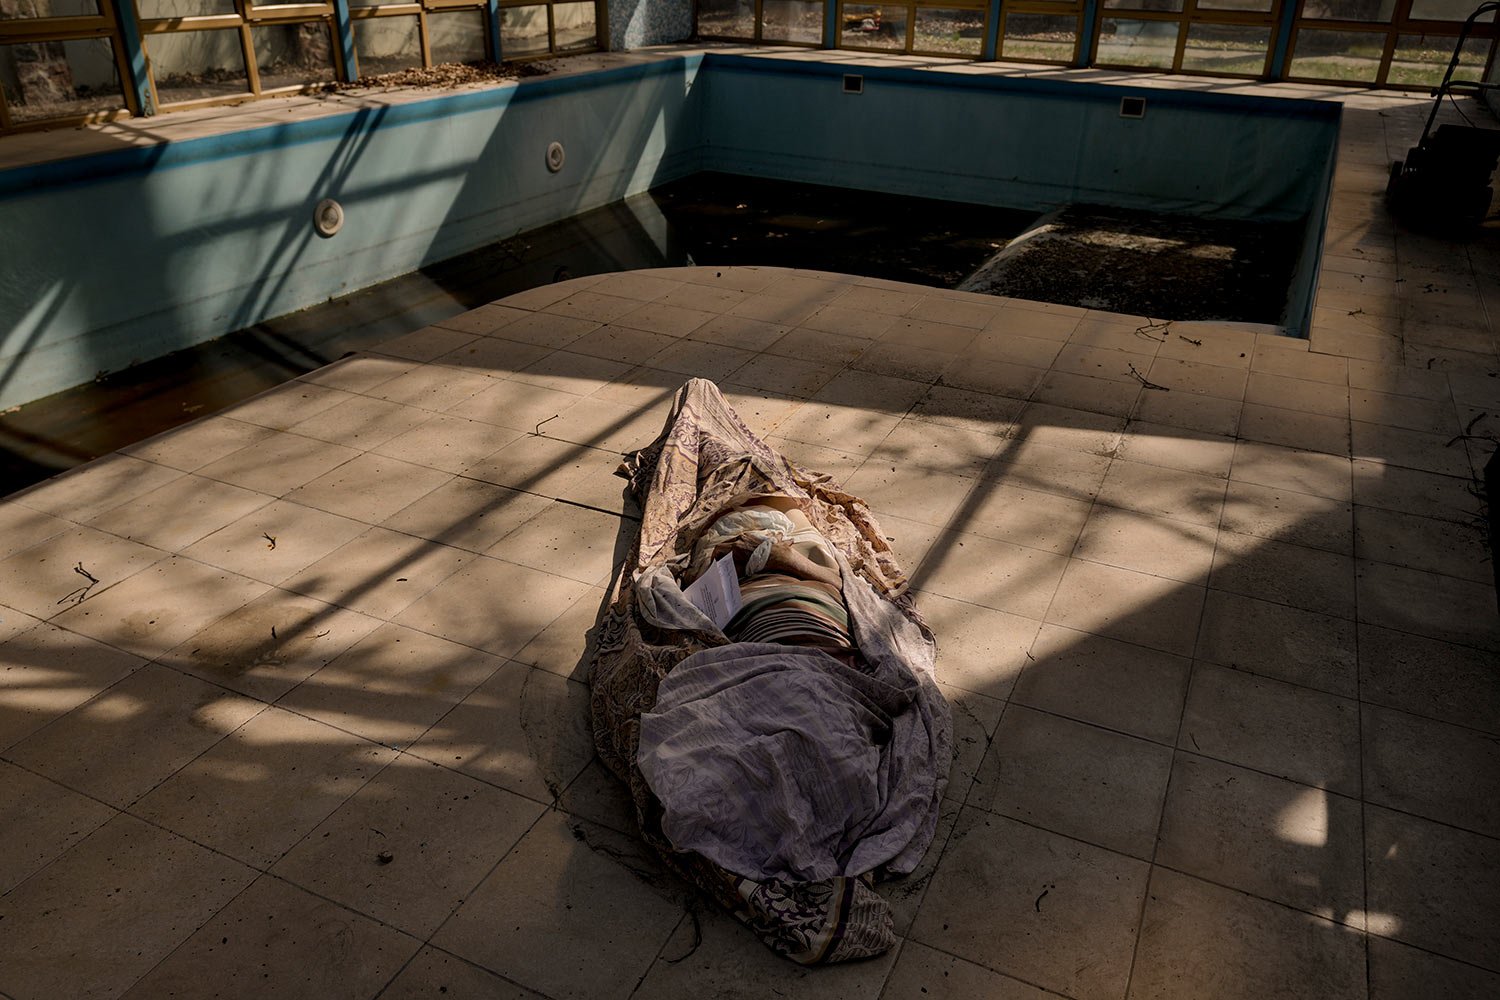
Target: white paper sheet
<point>717,592</point>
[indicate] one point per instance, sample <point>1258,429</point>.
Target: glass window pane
<point>726,18</point>
<point>868,26</point>
<point>791,21</point>
<point>191,65</point>
<point>1349,10</point>
<point>20,9</point>
<point>1421,60</point>
<point>1446,10</point>
<point>293,55</point>
<point>1259,6</point>
<point>1226,48</point>
<point>60,79</point>
<point>955,32</point>
<point>523,31</point>
<point>1050,37</point>
<point>156,9</point>
<point>573,24</point>
<point>1336,55</point>
<point>1130,42</point>
<point>457,37</point>
<point>1169,5</point>
<point>386,44</point>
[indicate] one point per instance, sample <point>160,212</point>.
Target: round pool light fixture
<point>556,156</point>
<point>328,217</point>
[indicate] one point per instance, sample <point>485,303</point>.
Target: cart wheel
<point>1393,184</point>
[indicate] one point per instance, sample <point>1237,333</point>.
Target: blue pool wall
<point>126,255</point>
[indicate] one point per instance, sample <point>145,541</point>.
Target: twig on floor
<point>1190,340</point>
<point>1356,312</point>
<point>1152,328</point>
<point>78,596</point>
<point>271,539</point>
<point>692,911</point>
<point>1468,433</point>
<point>1147,382</point>
<point>539,424</point>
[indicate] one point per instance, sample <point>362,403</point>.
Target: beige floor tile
<point>1427,677</point>
<point>839,465</point>
<point>1015,348</point>
<point>1281,392</point>
<point>1310,472</point>
<point>1084,392</point>
<point>361,422</point>
<point>1270,726</point>
<point>617,343</point>
<point>121,744</point>
<point>369,488</point>
<point>1163,492</point>
<point>1270,837</point>
<point>598,423</point>
<point>537,465</point>
<point>517,406</point>
<point>1028,322</point>
<point>591,304</point>
<point>729,958</point>
<point>891,488</point>
<point>923,971</point>
<point>665,319</point>
<point>246,950</point>
<point>1310,579</point>
<point>870,392</point>
<point>21,528</point>
<point>90,490</point>
<point>975,717</point>
<point>468,514</point>
<point>1123,604</point>
<point>1432,886</point>
<point>698,359</point>
<point>1063,471</point>
<point>816,346</point>
<point>1439,607</point>
<point>1112,331</point>
<point>1295,429</point>
<point>1398,972</point>
<point>287,404</point>
<point>279,464</point>
<point>270,645</point>
<point>358,373</point>
<point>1108,683</point>
<point>1432,769</point>
<point>1398,379</point>
<point>117,903</point>
<point>740,332</point>
<point>966,409</point>
<point>991,573</point>
<point>565,540</point>
<point>998,378</point>
<point>451,444</point>
<point>1199,939</point>
<point>486,320</point>
<point>1197,379</point>
<point>42,819</point>
<point>902,361</point>
<point>1409,449</point>
<point>433,972</point>
<point>525,729</point>
<point>547,329</point>
<point>1061,427</point>
<point>581,374</point>
<point>773,308</point>
<point>1431,416</point>
<point>911,541</point>
<point>1177,448</point>
<point>410,845</point>
<point>1301,365</point>
<point>493,356</point>
<point>1225,348</point>
<point>971,312</point>
<point>564,646</point>
<point>915,448</point>
<point>579,923</point>
<point>48,671</point>
<point>864,298</point>
<point>49,577</point>
<point>1035,905</point>
<point>1178,550</point>
<point>276,541</point>
<point>980,649</point>
<point>1275,640</point>
<point>1425,543</point>
<point>787,376</point>
<point>1033,518</point>
<point>179,513</point>
<point>905,893</point>
<point>1206,414</point>
<point>392,685</point>
<point>1075,779</point>
<point>195,445</point>
<point>379,573</point>
<point>643,287</point>
<point>1285,515</point>
<point>259,790</point>
<point>463,607</point>
<point>1102,362</point>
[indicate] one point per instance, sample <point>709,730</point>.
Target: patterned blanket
<point>811,901</point>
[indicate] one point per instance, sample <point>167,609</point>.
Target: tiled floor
<point>290,701</point>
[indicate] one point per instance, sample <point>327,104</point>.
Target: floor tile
<point>1033,518</point>
<point>1112,684</point>
<point>1199,939</point>
<point>1457,684</point>
<point>565,647</point>
<point>1267,836</point>
<point>915,448</point>
<point>579,921</point>
<point>379,573</point>
<point>433,972</point>
<point>369,488</point>
<point>524,729</point>
<point>493,356</point>
<point>1123,604</point>
<point>890,488</point>
<point>1292,732</point>
<point>1408,449</point>
<point>1311,579</point>
<point>1062,427</point>
<point>1426,543</point>
<point>361,422</point>
<point>1161,492</point>
<point>1063,471</point>
<point>118,902</point>
<point>424,344</point>
<point>287,404</point>
<point>966,409</point>
<point>90,490</point>
<point>1084,392</point>
<point>1433,769</point>
<point>69,568</point>
<point>923,971</point>
<point>975,717</point>
<point>276,541</point>
<point>410,845</point>
<point>1175,448</point>
<point>982,650</point>
<point>47,671</point>
<point>195,445</point>
<point>994,574</point>
<point>1276,640</point>
<point>1289,469</point>
<point>1439,607</point>
<point>1432,886</point>
<point>124,742</point>
<point>247,951</point>
<point>437,387</point>
<point>178,514</point>
<point>279,464</point>
<point>1198,378</point>
<point>1287,516</point>
<point>42,819</point>
<point>467,514</point>
<point>463,608</point>
<point>448,443</point>
<point>1075,779</point>
<point>1200,414</point>
<point>537,465</point>
<point>262,788</point>
<point>1295,429</point>
<point>1160,546</point>
<point>1035,905</point>
<point>392,685</point>
<point>565,540</point>
<point>1398,972</point>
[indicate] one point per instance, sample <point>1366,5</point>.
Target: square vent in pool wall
<point>1132,107</point>
<point>854,83</point>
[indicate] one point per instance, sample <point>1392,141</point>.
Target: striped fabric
<point>792,612</point>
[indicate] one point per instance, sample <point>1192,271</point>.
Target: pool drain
<point>328,217</point>
<point>555,156</point>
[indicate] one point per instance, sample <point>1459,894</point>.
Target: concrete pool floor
<point>291,702</point>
